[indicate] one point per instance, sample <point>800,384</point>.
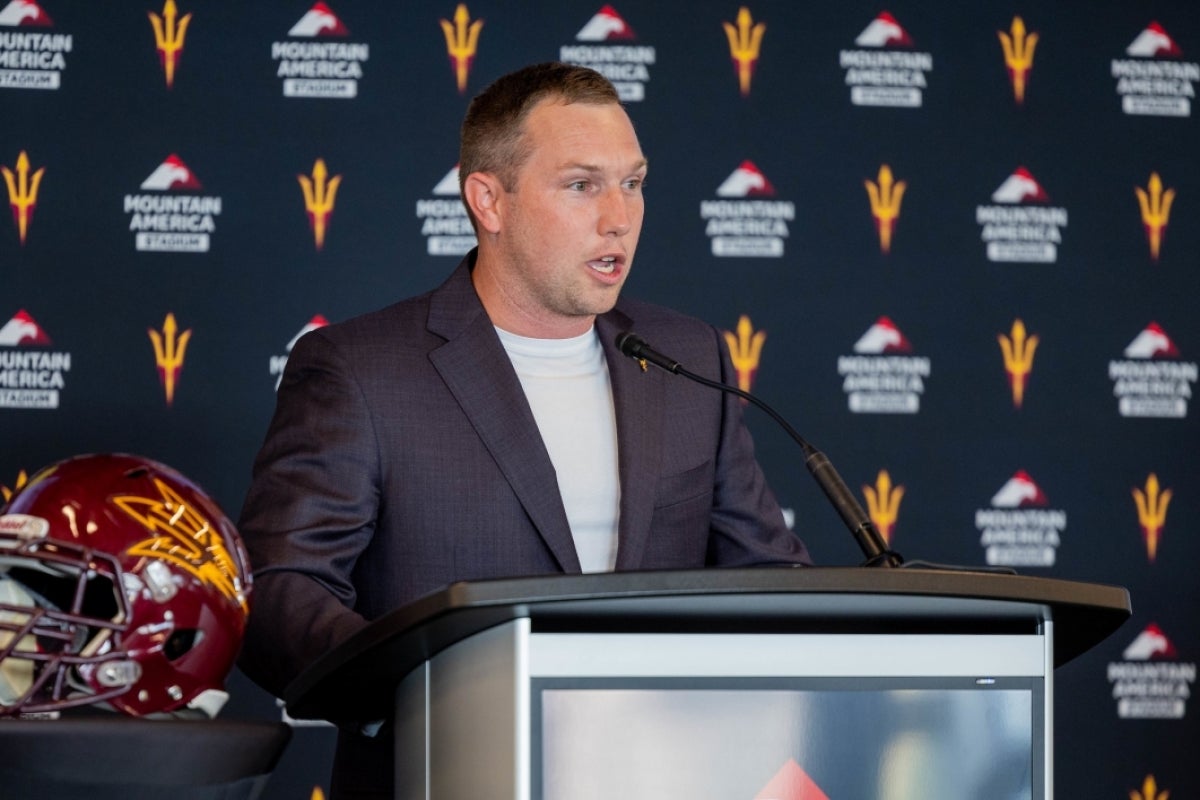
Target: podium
<point>764,683</point>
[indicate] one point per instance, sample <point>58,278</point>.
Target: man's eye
<point>578,186</point>
<point>635,184</point>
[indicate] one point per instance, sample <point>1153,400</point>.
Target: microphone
<point>848,508</point>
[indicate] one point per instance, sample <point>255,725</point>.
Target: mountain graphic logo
<point>319,21</point>
<point>1151,643</point>
<point>606,26</point>
<point>1152,342</point>
<point>1020,187</point>
<point>1154,42</point>
<point>883,338</point>
<point>21,331</point>
<point>448,185</point>
<point>746,181</point>
<point>24,14</point>
<point>1020,492</point>
<point>172,175</point>
<point>884,31</point>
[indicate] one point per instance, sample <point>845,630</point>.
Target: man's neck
<point>508,313</point>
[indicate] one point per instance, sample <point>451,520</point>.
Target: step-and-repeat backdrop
<point>956,244</point>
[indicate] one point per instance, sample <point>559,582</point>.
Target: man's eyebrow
<point>640,164</point>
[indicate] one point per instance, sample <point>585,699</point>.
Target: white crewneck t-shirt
<point>567,384</point>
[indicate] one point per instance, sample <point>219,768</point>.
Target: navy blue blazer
<point>403,456</point>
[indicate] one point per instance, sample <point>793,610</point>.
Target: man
<point>491,428</point>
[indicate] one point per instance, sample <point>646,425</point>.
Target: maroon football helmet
<point>121,584</point>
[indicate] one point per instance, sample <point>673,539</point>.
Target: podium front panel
<point>513,712</point>
<point>718,738</point>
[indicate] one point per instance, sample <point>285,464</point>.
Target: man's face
<point>570,225</point>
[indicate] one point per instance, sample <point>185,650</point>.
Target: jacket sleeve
<point>308,516</point>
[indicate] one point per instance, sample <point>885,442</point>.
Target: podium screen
<point>788,738</point>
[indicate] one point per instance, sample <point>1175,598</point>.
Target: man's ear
<point>482,193</point>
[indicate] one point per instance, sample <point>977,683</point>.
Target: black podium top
<point>354,682</point>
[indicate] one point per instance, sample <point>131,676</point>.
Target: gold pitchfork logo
<point>1149,791</point>
<point>320,192</point>
<point>1018,55</point>
<point>462,40</point>
<point>745,41</point>
<point>885,197</point>
<point>883,503</point>
<point>169,349</point>
<point>1156,211</point>
<point>745,350</point>
<point>22,192</point>
<point>168,37</point>
<point>1018,358</point>
<point>1152,512</point>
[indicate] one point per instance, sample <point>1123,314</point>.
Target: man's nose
<point>615,216</point>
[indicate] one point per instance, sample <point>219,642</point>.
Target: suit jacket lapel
<point>479,374</point>
<point>637,395</point>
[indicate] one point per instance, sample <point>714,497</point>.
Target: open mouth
<point>606,265</point>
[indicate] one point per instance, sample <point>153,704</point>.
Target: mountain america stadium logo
<point>1155,80</point>
<point>1152,380</point>
<point>1020,528</point>
<point>171,215</point>
<point>1020,225</point>
<point>608,44</point>
<point>745,219</point>
<point>444,222</point>
<point>1150,682</point>
<point>884,69</point>
<point>32,54</point>
<point>882,376</point>
<point>316,60</point>
<point>31,374</point>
